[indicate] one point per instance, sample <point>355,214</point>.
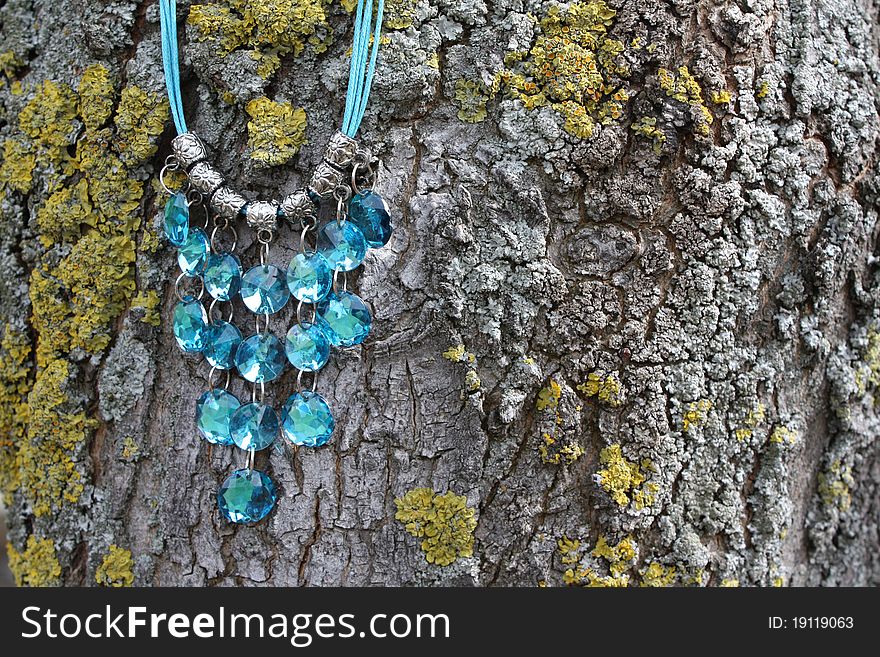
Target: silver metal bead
<point>227,203</point>
<point>298,205</point>
<point>325,179</point>
<point>262,215</point>
<point>188,149</point>
<point>340,150</point>
<point>205,178</point>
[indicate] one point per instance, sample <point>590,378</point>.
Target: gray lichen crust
<point>634,325</point>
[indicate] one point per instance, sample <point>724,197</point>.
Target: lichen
<point>783,435</point>
<point>268,29</point>
<point>573,66</point>
<point>835,484</point>
<point>554,453</point>
<point>619,558</point>
<point>623,479</point>
<point>445,523</point>
<point>604,387</point>
<point>548,396</point>
<point>458,354</point>
<point>37,564</point>
<point>399,14</point>
<point>646,126</point>
<point>696,414</point>
<point>276,131</point>
<point>116,568</point>
<point>471,97</point>
<point>658,575</point>
<point>148,302</point>
<point>720,97</point>
<point>683,87</point>
<point>15,383</point>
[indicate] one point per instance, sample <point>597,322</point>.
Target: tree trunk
<point>627,330</point>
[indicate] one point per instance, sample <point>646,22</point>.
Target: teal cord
<point>360,75</point>
<point>168,23</point>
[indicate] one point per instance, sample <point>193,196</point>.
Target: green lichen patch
<point>276,131</point>
<point>116,569</point>
<point>445,523</point>
<point>37,564</point>
<point>269,29</point>
<point>623,479</point>
<point>15,383</point>
<point>471,97</point>
<point>835,486</point>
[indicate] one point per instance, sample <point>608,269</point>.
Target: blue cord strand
<point>371,71</point>
<point>353,68</point>
<point>168,23</point>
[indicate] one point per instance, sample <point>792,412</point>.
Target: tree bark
<point>636,337</point>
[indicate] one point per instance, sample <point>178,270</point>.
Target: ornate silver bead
<point>325,179</point>
<point>205,178</point>
<point>262,215</point>
<point>298,205</point>
<point>340,150</point>
<point>227,203</point>
<point>188,149</point>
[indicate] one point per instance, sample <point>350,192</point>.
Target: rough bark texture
<point>634,320</point>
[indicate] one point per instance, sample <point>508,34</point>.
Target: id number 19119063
<point>811,623</point>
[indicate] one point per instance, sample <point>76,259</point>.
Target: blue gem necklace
<point>328,315</point>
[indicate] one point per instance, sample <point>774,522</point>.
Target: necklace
<point>328,315</point>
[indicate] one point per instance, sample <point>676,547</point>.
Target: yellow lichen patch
<point>275,131</point>
<point>130,449</point>
<point>619,557</point>
<point>835,484</point>
<point>471,98</point>
<point>445,523</point>
<point>15,375</point>
<point>9,65</point>
<point>763,90</point>
<point>646,126</point>
<point>696,414</point>
<point>92,207</point>
<point>623,479</point>
<point>116,568</point>
<point>37,565</point>
<point>729,583</point>
<point>271,29</point>
<point>554,453</point>
<point>778,582</point>
<point>605,388</point>
<point>783,435</point>
<point>458,354</point>
<point>569,550</point>
<point>96,91</point>
<point>683,87</point>
<point>549,396</point>
<point>149,302</point>
<point>573,66</point>
<point>658,575</point>
<point>754,417</point>
<point>720,97</point>
<point>399,14</point>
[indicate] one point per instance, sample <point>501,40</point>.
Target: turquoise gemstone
<point>264,289</point>
<point>260,358</point>
<point>254,426</point>
<point>222,276</point>
<point>177,219</point>
<point>306,419</point>
<point>369,212</point>
<point>214,410</point>
<point>193,254</point>
<point>307,347</point>
<point>309,277</point>
<point>246,496</point>
<point>190,324</point>
<point>344,318</point>
<point>223,340</point>
<point>343,246</point>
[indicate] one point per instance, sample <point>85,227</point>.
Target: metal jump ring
<point>218,227</point>
<point>169,166</point>
<point>196,197</point>
<point>299,376</point>
<point>369,177</point>
<point>262,392</point>
<point>177,287</point>
<point>211,378</point>
<point>257,324</point>
<point>249,460</point>
<point>302,238</point>
<point>336,281</point>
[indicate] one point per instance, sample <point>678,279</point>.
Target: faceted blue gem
<point>306,419</point>
<point>264,289</point>
<point>344,318</point>
<point>307,347</point>
<point>343,246</point>
<point>190,325</point>
<point>309,277</point>
<point>223,340</point>
<point>222,276</point>
<point>254,426</point>
<point>214,410</point>
<point>260,358</point>
<point>369,212</point>
<point>246,496</point>
<point>177,219</point>
<point>193,254</point>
